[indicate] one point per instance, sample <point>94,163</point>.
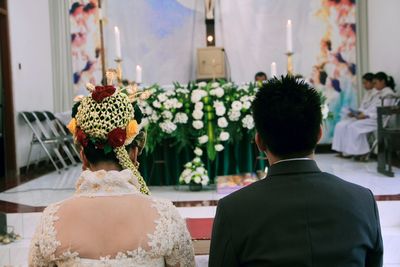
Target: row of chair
<point>53,137</point>
<point>388,140</point>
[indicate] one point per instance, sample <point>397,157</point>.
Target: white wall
<point>30,47</point>
<point>384,37</point>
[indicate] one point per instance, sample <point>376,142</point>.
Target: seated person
<point>260,77</point>
<point>350,136</point>
<point>111,220</point>
<point>298,215</point>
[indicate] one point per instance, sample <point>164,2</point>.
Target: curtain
<point>159,35</point>
<point>61,55</point>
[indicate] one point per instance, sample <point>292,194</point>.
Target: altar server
<point>350,136</point>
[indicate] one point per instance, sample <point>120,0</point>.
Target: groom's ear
<point>260,143</point>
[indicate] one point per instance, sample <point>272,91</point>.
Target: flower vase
<point>195,187</point>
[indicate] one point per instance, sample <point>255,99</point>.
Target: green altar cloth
<point>164,165</point>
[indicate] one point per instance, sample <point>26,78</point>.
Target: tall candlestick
<point>273,69</point>
<point>138,74</point>
<point>289,39</point>
<point>117,43</point>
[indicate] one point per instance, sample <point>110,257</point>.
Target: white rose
<point>168,104</point>
<point>214,85</point>
<point>202,84</point>
<point>148,110</point>
<point>204,182</point>
<point>188,179</point>
<point>154,117</point>
<point>168,127</point>
<point>244,88</point>
<point>197,159</point>
<point>200,170</point>
<point>181,118</point>
<point>236,105</point>
<point>205,178</point>
<point>167,114</point>
<point>198,125</point>
<point>244,98</point>
<point>197,180</point>
<point>203,139</point>
<point>248,122</point>
<point>197,114</point>
<point>219,92</point>
<point>199,106</point>
<point>224,136</point>
<point>156,104</point>
<point>162,97</point>
<point>188,165</point>
<point>198,152</point>
<point>219,108</point>
<point>186,172</point>
<point>178,105</point>
<point>222,122</point>
<point>247,105</point>
<point>220,111</point>
<point>170,93</point>
<point>234,115</point>
<point>219,147</point>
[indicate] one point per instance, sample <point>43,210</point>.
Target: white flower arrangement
<point>212,114</point>
<point>194,172</point>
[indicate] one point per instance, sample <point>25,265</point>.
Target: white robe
<point>350,136</point>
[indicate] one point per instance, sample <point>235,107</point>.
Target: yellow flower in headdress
<point>72,126</point>
<point>132,129</point>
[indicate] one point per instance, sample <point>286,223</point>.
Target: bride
<point>111,220</point>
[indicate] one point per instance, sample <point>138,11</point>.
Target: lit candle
<point>273,69</point>
<point>289,40</point>
<point>138,74</point>
<point>117,43</point>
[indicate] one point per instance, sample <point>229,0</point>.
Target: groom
<point>297,215</point>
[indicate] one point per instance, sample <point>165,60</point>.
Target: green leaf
<point>107,149</point>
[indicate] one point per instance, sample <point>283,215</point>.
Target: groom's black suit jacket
<point>297,216</point>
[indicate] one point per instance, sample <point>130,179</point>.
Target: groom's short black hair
<point>287,115</point>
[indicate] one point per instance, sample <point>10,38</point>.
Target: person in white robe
<point>351,134</point>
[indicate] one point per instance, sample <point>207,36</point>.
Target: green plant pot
<point>195,187</point>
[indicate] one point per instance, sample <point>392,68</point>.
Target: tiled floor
<point>54,187</point>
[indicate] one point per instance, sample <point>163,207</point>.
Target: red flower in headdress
<point>116,137</point>
<point>101,92</point>
<point>82,137</point>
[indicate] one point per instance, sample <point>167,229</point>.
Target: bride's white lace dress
<point>108,222</point>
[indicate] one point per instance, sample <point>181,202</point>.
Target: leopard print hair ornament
<point>106,118</point>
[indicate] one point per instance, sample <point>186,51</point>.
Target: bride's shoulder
<point>164,207</point>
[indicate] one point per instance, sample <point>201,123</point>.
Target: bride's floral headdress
<point>106,119</point>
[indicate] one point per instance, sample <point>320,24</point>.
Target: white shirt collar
<point>293,159</point>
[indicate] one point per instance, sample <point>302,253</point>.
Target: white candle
<point>138,74</point>
<point>117,43</point>
<point>289,39</point>
<point>273,69</point>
